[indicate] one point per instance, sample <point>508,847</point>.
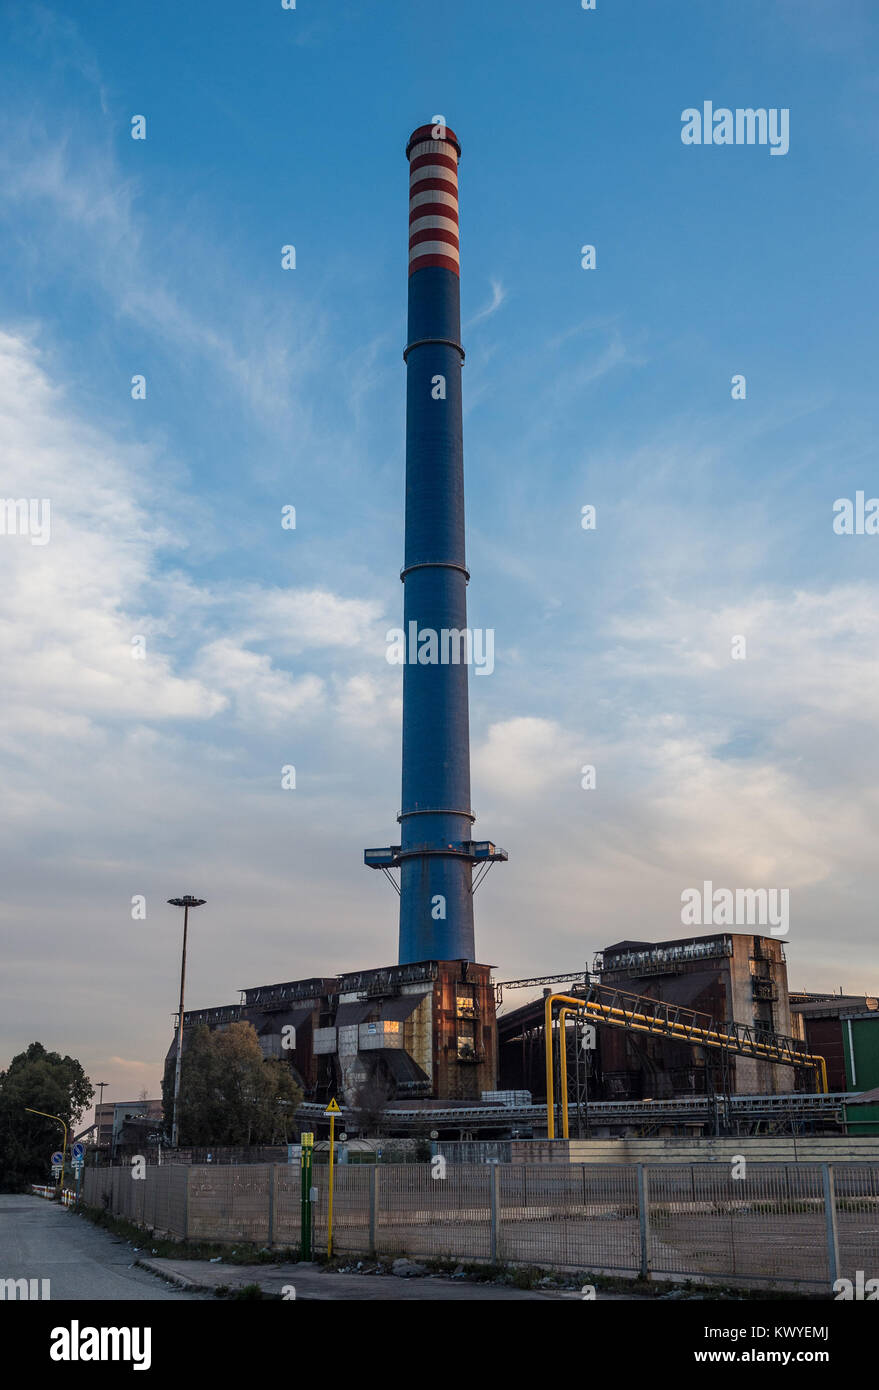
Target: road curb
<point>170,1278</point>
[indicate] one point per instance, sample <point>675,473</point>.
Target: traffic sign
<point>77,1152</point>
<point>333,1108</point>
<point>56,1170</point>
<point>57,1159</point>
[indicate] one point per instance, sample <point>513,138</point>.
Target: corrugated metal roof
<point>402,1007</point>
<point>399,1064</point>
<point>838,1006</point>
<point>277,1021</point>
<point>379,1010</point>
<point>683,989</point>
<point>347,1014</point>
<point>866,1098</point>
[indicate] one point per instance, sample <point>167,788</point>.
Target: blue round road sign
<point>77,1152</point>
<point>56,1158</point>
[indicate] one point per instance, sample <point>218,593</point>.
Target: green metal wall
<point>864,1074</point>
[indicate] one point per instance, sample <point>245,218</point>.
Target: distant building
<point>819,1020</point>
<point>104,1121</point>
<point>111,1117</point>
<point>844,1029</point>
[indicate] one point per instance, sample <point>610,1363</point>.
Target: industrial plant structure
<point>425,1030</point>
<point>732,977</point>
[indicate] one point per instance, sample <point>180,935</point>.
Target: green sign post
<point>307,1141</point>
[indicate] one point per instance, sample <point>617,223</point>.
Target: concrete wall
<point>821,1148</point>
<point>753,1077</point>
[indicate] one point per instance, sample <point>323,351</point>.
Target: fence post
<point>273,1173</point>
<point>187,1174</point>
<point>644,1219</point>
<point>373,1205</point>
<point>494,1209</point>
<point>830,1221</point>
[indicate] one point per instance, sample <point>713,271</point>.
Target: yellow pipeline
<point>705,1035</point>
<point>678,1031</point>
<point>563,1062</point>
<point>547,1032</point>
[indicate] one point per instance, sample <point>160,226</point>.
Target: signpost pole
<point>77,1154</point>
<point>330,1203</point>
<point>331,1111</point>
<point>305,1195</point>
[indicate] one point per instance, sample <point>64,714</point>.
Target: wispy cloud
<point>499,296</point>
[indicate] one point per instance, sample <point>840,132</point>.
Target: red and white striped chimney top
<point>433,152</point>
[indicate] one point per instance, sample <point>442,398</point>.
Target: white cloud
<point>70,608</point>
<point>498,296</point>
<point>811,656</point>
<point>364,703</point>
<point>299,619</point>
<point>259,690</point>
<point>523,757</point>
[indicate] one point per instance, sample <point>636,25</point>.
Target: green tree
<point>44,1081</point>
<point>228,1093</point>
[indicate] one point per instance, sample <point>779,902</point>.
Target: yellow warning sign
<point>333,1108</point>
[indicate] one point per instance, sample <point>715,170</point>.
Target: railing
<point>799,1226</point>
<point>805,1104</point>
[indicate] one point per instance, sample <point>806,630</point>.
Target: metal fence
<point>784,1225</point>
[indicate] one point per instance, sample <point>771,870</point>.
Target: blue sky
<point>264,387</point>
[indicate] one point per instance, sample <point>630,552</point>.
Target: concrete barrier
<point>810,1148</point>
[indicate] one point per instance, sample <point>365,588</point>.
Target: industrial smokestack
<point>437,852</point>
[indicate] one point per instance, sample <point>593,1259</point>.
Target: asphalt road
<point>43,1240</point>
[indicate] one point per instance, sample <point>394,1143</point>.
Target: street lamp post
<point>186,903</point>
<point>63,1124</point>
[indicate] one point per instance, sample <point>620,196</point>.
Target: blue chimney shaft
<point>437,852</point>
<point>436,897</point>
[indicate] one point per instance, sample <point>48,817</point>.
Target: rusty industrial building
<point>421,1031</point>
<point>425,1038</point>
<point>732,977</point>
<point>725,976</point>
<point>426,1032</point>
